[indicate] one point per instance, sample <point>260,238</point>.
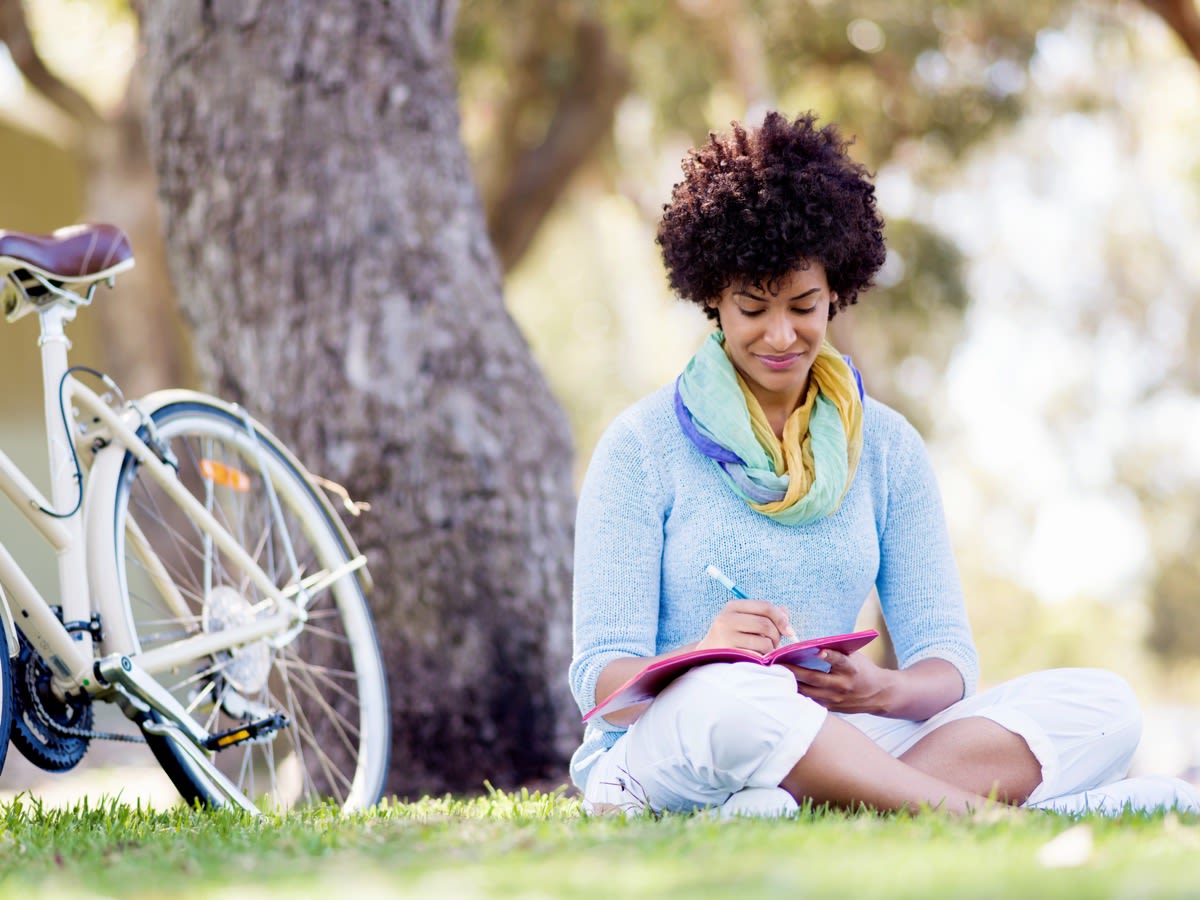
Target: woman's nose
<point>781,333</point>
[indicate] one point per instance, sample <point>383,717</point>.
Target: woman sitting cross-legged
<point>767,459</point>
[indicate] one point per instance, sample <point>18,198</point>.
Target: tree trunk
<point>329,250</point>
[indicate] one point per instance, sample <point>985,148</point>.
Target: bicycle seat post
<point>65,484</point>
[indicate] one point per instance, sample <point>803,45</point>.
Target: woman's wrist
<point>921,690</point>
<point>890,696</point>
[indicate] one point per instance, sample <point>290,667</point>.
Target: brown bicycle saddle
<point>75,253</point>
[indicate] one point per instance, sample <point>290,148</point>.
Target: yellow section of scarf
<point>831,376</point>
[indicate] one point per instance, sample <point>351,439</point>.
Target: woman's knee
<point>1095,705</point>
<point>1117,705</point>
<point>724,720</point>
<point>1096,731</point>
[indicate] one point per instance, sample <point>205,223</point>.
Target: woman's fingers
<point>757,611</point>
<point>850,685</point>
<point>748,625</point>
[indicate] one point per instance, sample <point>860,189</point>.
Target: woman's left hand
<point>853,684</point>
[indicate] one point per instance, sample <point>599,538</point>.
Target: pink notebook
<point>656,676</point>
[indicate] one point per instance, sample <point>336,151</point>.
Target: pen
<point>714,572</point>
<point>720,576</point>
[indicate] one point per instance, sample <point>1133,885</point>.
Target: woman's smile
<point>779,363</point>
<point>773,333</point>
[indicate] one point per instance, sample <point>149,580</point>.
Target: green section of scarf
<point>798,479</point>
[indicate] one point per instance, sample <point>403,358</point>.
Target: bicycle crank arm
<point>121,671</point>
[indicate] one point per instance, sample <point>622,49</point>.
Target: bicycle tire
<point>6,694</point>
<point>328,680</point>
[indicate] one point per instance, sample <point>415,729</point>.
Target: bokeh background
<point>1038,318</point>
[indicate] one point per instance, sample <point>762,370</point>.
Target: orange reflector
<point>221,474</point>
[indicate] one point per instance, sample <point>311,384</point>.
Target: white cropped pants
<point>730,727</point>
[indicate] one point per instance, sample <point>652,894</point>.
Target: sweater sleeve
<point>919,588</point>
<point>618,560</point>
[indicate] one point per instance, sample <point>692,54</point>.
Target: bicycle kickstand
<point>143,694</point>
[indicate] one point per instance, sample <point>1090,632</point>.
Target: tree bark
<point>330,251</point>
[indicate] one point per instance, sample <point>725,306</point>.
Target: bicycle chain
<point>52,724</point>
<point>69,730</point>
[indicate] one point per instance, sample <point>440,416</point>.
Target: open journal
<point>656,676</point>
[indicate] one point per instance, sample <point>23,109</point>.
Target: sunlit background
<point>1038,165</point>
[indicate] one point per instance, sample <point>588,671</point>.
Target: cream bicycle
<point>207,585</point>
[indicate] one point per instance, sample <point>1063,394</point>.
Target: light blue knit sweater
<point>654,513</point>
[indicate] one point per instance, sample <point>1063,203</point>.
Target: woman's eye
<point>750,313</point>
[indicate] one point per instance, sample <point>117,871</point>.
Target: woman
<point>766,459</point>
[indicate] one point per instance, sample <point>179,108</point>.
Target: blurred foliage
<point>90,44</point>
<point>942,71</point>
<point>939,71</point>
<point>1016,633</point>
<point>908,325</point>
<point>914,84</point>
<point>922,87</point>
<point>1174,633</point>
<point>1173,602</point>
<point>37,204</point>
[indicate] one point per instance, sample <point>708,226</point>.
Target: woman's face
<point>773,334</point>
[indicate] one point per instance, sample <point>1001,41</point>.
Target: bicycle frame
<point>78,537</point>
<point>191,548</point>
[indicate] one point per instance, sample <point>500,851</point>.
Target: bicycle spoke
<point>246,769</point>
<point>324,673</point>
<point>186,586</point>
<point>340,723</point>
<point>306,731</point>
<point>206,692</point>
<point>326,634</point>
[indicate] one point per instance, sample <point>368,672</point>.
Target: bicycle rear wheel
<point>6,695</point>
<point>327,679</point>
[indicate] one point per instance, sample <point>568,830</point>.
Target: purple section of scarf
<point>862,394</point>
<point>755,492</point>
<point>709,448</point>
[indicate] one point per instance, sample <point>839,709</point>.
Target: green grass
<point>539,845</point>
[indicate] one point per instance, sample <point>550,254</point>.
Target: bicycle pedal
<point>247,732</point>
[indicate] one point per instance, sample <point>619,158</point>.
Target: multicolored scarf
<point>798,479</point>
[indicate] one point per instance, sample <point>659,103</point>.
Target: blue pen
<point>720,576</point>
<point>714,572</point>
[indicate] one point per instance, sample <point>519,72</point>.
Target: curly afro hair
<point>757,204</point>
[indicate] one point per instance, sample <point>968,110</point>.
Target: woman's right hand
<point>754,625</point>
